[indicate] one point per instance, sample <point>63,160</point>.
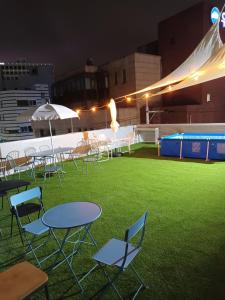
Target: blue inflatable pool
<point>209,146</point>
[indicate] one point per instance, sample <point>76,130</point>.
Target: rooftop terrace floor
<point>183,253</point>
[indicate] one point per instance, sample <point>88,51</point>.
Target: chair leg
<point>138,276</point>
<point>111,281</point>
<point>142,284</point>
<point>21,237</point>
<point>11,224</point>
<point>46,292</point>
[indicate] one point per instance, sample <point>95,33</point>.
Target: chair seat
<point>26,209</point>
<point>90,159</point>
<point>52,169</point>
<point>22,168</point>
<point>36,227</point>
<point>3,193</point>
<point>112,253</point>
<point>20,281</point>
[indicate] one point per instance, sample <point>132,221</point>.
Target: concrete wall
<point>167,129</point>
<point>66,140</point>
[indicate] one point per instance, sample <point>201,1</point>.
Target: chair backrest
<point>29,151</point>
<point>12,157</point>
<point>13,154</point>
<point>85,135</point>
<point>34,193</point>
<point>138,226</point>
<point>82,150</point>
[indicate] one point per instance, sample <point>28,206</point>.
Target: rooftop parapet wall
<point>65,140</point>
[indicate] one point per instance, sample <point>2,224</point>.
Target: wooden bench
<point>21,281</point>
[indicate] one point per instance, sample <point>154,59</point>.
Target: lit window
<point>124,76</point>
<point>116,79</point>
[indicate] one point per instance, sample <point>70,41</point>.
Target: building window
<point>22,103</point>
<point>106,82</point>
<point>87,83</point>
<point>116,79</point>
<point>92,83</point>
<point>26,129</point>
<point>34,71</point>
<point>12,131</point>
<point>124,76</point>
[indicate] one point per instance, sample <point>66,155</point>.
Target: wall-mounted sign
<point>215,15</point>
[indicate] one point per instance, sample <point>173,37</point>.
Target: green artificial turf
<point>183,253</point>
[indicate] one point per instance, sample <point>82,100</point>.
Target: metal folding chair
<point>51,167</point>
<point>120,254</point>
<point>20,164</point>
<point>82,150</point>
<point>34,228</point>
<point>30,154</point>
<point>3,167</point>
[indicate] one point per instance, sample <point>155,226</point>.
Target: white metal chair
<point>3,167</point>
<point>20,164</point>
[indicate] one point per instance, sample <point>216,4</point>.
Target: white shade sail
<point>214,68</point>
<point>47,112</point>
<point>208,46</point>
<point>114,124</point>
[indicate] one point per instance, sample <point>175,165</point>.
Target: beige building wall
<point>141,71</point>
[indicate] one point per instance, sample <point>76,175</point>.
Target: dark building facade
<point>178,37</point>
<point>82,89</point>
<point>22,75</point>
<point>22,85</point>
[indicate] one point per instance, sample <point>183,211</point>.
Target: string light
<point>146,95</point>
<point>128,99</point>
<point>107,105</point>
<point>170,88</point>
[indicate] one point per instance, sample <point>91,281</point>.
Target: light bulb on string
<point>78,111</point>
<point>146,95</point>
<point>93,108</point>
<point>128,99</point>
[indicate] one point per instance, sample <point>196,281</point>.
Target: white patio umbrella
<point>114,124</point>
<point>48,112</point>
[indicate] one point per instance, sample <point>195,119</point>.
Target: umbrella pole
<point>50,128</point>
<point>71,124</point>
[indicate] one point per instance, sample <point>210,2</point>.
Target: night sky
<point>67,32</point>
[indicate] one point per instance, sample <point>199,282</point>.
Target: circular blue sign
<point>215,15</point>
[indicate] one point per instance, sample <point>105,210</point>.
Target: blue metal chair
<point>34,228</point>
<point>121,253</point>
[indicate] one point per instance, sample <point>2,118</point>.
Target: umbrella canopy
<point>114,124</point>
<point>48,112</point>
